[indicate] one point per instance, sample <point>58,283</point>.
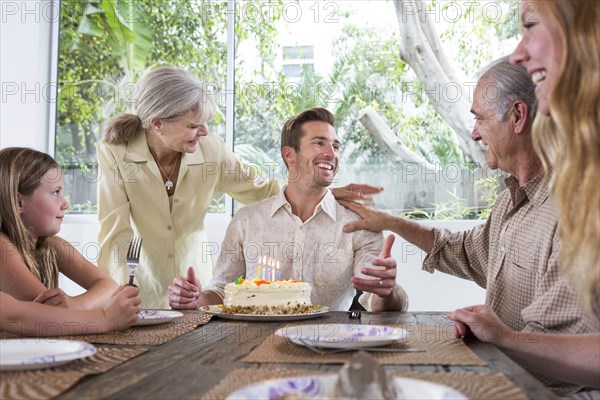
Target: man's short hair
<point>512,83</point>
<point>292,132</point>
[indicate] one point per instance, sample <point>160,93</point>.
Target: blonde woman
<point>561,50</point>
<point>160,169</point>
<point>32,208</point>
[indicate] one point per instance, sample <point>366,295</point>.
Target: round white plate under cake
<point>218,311</point>
<point>155,317</point>
<point>348,336</point>
<point>35,353</point>
<point>323,386</point>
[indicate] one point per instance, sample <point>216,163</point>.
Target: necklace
<point>168,183</point>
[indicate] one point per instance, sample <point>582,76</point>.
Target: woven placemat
<point>438,351</point>
<point>50,382</point>
<point>471,384</point>
<point>150,335</point>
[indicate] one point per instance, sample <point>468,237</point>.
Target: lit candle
<point>278,271</point>
<point>258,270</point>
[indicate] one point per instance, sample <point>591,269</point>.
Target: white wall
<point>25,76</point>
<point>26,89</point>
<point>427,292</point>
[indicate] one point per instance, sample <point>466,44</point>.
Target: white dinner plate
<point>323,386</point>
<point>217,310</point>
<point>32,353</point>
<point>155,317</point>
<point>342,335</point>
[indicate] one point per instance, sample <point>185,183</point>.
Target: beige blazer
<point>132,200</point>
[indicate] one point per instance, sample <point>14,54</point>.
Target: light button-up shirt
<point>316,251</point>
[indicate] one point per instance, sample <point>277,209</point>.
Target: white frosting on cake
<point>273,294</point>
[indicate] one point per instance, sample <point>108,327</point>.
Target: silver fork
<point>322,351</point>
<point>133,256</point>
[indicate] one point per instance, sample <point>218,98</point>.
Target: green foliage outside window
<point>106,45</point>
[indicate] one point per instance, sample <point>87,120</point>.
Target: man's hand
<point>356,192</point>
<point>373,219</point>
<point>184,292</point>
<point>55,297</point>
<point>480,321</point>
<point>386,273</point>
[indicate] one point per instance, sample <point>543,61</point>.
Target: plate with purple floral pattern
<point>342,335</point>
<point>155,317</point>
<point>323,387</point>
<point>37,353</point>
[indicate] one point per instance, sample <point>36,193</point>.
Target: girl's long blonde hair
<point>21,171</point>
<point>569,141</point>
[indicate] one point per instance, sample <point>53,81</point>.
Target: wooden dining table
<point>195,363</point>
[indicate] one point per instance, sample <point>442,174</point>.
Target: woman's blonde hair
<point>569,141</point>
<point>166,93</point>
<point>21,172</point>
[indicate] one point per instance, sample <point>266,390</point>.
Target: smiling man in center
<point>301,228</point>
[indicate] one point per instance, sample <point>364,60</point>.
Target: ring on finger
<point>381,282</point>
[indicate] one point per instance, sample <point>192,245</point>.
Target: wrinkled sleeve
<point>243,181</point>
<point>231,263</point>
<point>113,215</point>
<point>462,254</point>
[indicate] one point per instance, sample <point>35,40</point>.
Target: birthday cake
<point>259,296</point>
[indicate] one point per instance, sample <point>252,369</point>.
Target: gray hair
<point>512,83</point>
<point>166,93</point>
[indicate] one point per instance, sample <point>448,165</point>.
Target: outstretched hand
<point>356,192</point>
<point>184,292</point>
<point>480,321</point>
<point>385,274</point>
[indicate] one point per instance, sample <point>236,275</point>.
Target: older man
<point>301,227</point>
<point>514,254</point>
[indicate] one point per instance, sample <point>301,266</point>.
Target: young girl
<point>32,208</point>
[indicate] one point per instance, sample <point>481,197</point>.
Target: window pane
<point>345,56</point>
<point>105,47</point>
<point>289,56</point>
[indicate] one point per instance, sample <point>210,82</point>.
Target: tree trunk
<point>420,47</point>
<point>388,141</point>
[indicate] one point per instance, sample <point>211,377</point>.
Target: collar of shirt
<point>327,205</point>
<point>536,190</point>
<point>138,151</point>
